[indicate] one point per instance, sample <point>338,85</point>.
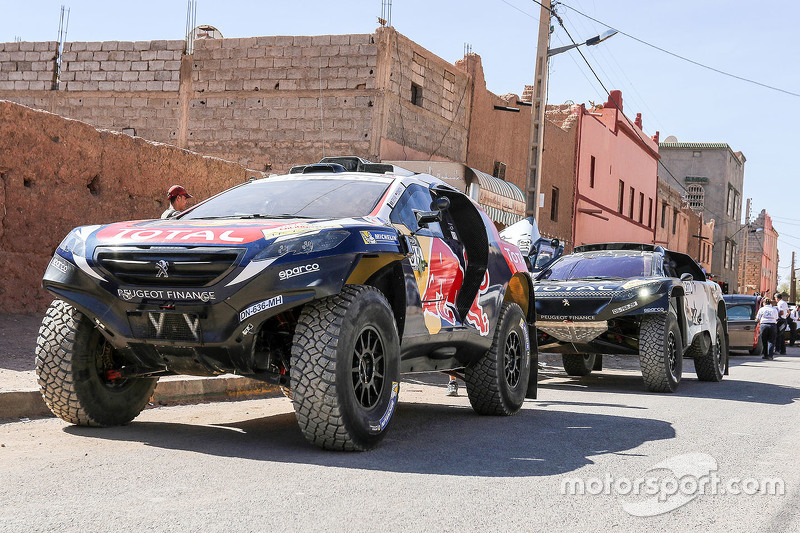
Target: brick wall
<point>56,174</point>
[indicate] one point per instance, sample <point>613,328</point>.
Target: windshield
<point>605,265</point>
<point>307,198</point>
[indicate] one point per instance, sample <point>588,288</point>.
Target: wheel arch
<point>520,292</point>
<point>385,273</point>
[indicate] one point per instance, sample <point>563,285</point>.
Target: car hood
<point>210,232</point>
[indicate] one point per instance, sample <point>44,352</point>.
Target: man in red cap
<point>178,201</point>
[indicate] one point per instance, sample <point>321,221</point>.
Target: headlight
<point>306,244</point>
<point>637,283</point>
<point>73,243</point>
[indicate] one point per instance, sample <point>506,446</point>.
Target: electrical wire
<point>683,58</point>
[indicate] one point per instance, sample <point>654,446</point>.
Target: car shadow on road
<point>730,388</point>
<point>423,439</point>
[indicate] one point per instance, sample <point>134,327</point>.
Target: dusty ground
<point>18,340</point>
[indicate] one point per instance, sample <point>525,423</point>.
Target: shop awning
<point>504,202</point>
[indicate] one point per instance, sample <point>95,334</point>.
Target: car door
<point>741,325</point>
<point>438,261</point>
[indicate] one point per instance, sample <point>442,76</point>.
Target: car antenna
<point>321,111</point>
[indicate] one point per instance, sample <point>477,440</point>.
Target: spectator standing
<point>793,317</point>
<point>783,317</point>
<point>178,201</point>
<point>767,317</point>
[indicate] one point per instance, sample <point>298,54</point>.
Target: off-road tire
<point>660,352</point>
<point>326,369</point>
<point>69,355</point>
<point>577,364</point>
<point>710,366</point>
<point>498,381</point>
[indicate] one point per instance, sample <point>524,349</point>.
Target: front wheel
<point>73,364</point>
<point>345,368</point>
<point>710,366</point>
<point>660,352</point>
<point>498,381</point>
<point>578,364</point>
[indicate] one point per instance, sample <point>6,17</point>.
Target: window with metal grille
<point>696,196</point>
<point>649,212</point>
<point>621,199</point>
<point>663,215</point>
<point>591,172</point>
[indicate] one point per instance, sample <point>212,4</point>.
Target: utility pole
<point>792,284</point>
<point>744,257</point>
<point>534,176</point>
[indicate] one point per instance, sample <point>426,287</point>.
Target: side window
<point>417,198</point>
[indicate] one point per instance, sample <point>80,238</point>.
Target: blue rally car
<point>326,281</point>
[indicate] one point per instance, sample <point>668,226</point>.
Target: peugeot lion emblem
<point>565,302</point>
<point>162,267</point>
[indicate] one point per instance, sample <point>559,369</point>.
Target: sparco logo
<point>296,271</point>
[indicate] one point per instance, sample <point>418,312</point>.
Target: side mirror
<point>442,203</point>
<point>426,217</point>
<point>687,277</point>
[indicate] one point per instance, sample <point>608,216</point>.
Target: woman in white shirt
<point>768,318</point>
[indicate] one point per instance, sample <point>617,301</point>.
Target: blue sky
<point>674,97</point>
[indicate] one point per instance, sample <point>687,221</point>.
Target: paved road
<point>245,466</point>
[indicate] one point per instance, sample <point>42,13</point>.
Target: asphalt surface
<point>245,465</point>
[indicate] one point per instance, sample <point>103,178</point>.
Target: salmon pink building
<point>616,176</point>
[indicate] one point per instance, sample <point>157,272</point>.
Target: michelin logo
<point>377,237</point>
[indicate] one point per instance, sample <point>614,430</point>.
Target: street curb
<point>29,403</point>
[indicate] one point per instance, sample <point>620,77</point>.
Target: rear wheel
<point>660,352</point>
<point>74,366</point>
<point>578,364</point>
<point>498,381</point>
<point>710,366</point>
<point>345,369</point>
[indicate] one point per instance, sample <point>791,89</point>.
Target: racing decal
<point>246,331</point>
<point>260,306</point>
<point>514,258</point>
<point>379,237</point>
<point>575,288</point>
<point>382,423</point>
<point>567,318</point>
<point>654,310</point>
<point>477,316</point>
<point>298,270</point>
<point>173,294</point>
<point>626,307</point>
<point>688,287</point>
<point>444,278</point>
<point>297,227</point>
<point>417,259</point>
<point>59,265</point>
<point>395,196</point>
<point>122,234</point>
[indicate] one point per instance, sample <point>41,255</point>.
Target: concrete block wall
<point>27,66</point>
<point>257,100</point>
<point>439,126</point>
<point>122,66</point>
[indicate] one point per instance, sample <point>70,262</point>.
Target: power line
<point>697,63</point>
